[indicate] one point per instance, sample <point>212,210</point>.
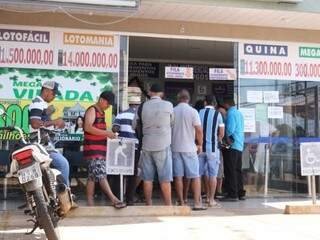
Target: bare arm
<point>88,125</point>
<point>37,123</point>
<point>199,137</point>
<point>220,133</point>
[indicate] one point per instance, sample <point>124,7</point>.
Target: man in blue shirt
<point>233,184</point>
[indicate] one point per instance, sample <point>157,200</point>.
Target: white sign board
<point>179,72</point>
<point>254,96</point>
<point>275,112</point>
<point>249,116</point>
<point>120,156</point>
<point>271,96</point>
<point>222,74</point>
<point>279,61</point>
<point>310,158</point>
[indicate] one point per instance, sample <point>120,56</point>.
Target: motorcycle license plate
<point>29,173</point>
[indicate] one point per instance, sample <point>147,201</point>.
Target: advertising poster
<point>83,64</point>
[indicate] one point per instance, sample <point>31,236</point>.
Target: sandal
<point>200,208</point>
<point>119,205</point>
<point>214,205</point>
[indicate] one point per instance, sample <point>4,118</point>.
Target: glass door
<point>286,113</point>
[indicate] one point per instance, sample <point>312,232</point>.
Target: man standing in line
<point>213,132</point>
<point>233,156</point>
<point>156,120</point>
<point>39,116</point>
<point>123,125</point>
<point>95,147</point>
<point>186,129</point>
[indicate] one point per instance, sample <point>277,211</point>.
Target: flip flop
<point>119,205</point>
<point>214,205</point>
<point>201,208</point>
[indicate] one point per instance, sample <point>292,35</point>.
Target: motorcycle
<point>48,199</point>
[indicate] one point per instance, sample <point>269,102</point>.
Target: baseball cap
<point>52,85</point>
<point>156,88</point>
<point>109,96</point>
<point>134,95</point>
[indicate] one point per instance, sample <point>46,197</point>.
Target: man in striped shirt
<point>39,117</point>
<point>123,125</point>
<point>213,132</point>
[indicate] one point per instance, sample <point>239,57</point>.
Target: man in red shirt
<point>95,147</point>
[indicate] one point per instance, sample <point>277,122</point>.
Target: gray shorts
<point>159,162</point>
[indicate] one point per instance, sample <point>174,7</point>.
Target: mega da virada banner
<point>83,63</point>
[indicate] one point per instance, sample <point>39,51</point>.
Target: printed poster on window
<point>249,116</point>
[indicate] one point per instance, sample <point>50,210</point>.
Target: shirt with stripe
<point>124,121</point>
<point>94,146</point>
<point>38,110</point>
<point>210,132</point>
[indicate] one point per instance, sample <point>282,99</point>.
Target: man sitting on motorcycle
<point>38,117</point>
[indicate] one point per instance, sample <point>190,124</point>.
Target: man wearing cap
<point>95,147</point>
<point>39,117</point>
<point>123,125</point>
<point>156,120</point>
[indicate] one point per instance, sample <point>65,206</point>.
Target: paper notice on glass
<point>275,112</point>
<point>262,112</point>
<point>254,96</point>
<point>271,96</point>
<point>249,116</point>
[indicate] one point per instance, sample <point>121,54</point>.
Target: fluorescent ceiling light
<point>121,4</point>
<point>115,3</point>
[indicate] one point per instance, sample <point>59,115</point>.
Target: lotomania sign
<point>84,64</point>
<point>279,61</point>
<point>59,49</point>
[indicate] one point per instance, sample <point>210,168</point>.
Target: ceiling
<point>162,10</point>
<point>219,53</point>
<point>229,15</point>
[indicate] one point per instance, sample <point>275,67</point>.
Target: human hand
<point>111,135</point>
<point>59,123</point>
<point>199,149</point>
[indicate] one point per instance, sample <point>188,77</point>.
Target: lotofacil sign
<point>265,50</point>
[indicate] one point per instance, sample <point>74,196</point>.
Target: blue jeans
<point>60,163</point>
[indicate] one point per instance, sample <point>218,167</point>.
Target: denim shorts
<point>185,164</point>
<point>159,162</point>
<point>209,164</point>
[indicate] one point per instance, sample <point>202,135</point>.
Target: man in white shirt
<point>186,131</point>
